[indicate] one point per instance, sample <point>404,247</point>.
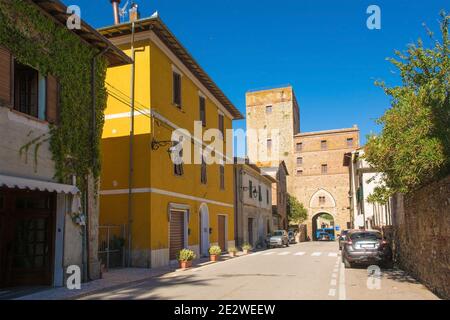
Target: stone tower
<point>273,120</point>
<point>317,162</point>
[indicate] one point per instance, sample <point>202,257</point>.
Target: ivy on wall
<point>38,41</point>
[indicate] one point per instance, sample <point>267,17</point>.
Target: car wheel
<point>347,264</point>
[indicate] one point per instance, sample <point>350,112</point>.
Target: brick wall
<point>422,236</point>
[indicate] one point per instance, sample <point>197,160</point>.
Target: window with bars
<point>299,147</point>
<point>268,109</point>
<point>324,169</point>
<point>299,172</point>
<point>299,161</point>
<point>323,144</point>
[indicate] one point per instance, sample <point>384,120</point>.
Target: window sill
<point>26,119</point>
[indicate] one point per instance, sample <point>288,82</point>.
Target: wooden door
<point>222,235</point>
<point>250,231</point>
<point>27,237</point>
<point>177,237</point>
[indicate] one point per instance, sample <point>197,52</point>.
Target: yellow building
<point>171,207</point>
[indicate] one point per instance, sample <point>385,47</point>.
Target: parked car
<point>343,238</point>
<point>279,238</point>
<point>366,247</point>
<point>291,237</point>
<point>323,236</point>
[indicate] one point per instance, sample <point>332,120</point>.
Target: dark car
<point>366,247</point>
<point>291,236</point>
<point>343,238</point>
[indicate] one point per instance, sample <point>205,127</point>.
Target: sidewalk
<point>115,278</point>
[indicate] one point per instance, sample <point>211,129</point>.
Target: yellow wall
<point>154,169</point>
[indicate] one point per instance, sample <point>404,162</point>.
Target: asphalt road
<point>306,271</point>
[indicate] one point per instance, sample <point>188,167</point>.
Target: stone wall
<point>422,236</point>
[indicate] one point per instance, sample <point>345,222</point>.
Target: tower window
<point>268,109</point>
<point>299,147</point>
<point>349,142</point>
<point>323,145</point>
<point>324,169</point>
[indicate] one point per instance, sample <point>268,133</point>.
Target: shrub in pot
<point>185,258</point>
<point>246,248</point>
<point>214,253</point>
<point>232,251</point>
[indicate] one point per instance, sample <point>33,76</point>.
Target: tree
<point>413,148</point>
<point>296,211</point>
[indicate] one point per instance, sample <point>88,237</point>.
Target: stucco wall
<point>421,238</point>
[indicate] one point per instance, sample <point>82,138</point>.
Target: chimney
<point>134,12</point>
<point>115,4</point>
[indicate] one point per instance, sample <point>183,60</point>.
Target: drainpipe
<point>131,145</point>
<point>93,132</point>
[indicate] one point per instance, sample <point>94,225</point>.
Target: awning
<point>29,184</point>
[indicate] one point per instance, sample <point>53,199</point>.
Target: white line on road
<point>317,254</point>
<point>334,275</point>
<point>335,270</point>
<point>256,253</point>
<point>300,254</point>
<point>268,253</point>
<point>342,293</point>
<point>284,253</point>
<point>332,254</point>
<point>332,292</point>
<point>333,282</point>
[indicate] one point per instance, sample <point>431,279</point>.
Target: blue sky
<point>322,48</point>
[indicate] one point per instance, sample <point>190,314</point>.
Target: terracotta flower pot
<point>214,257</point>
<point>185,264</point>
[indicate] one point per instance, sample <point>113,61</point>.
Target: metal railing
<point>111,246</point>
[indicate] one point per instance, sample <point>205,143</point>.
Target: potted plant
<point>246,248</point>
<point>185,258</point>
<point>214,253</point>
<point>232,251</point>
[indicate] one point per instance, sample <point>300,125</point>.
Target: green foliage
<point>186,255</point>
<point>327,216</point>
<point>232,250</point>
<point>36,40</point>
<point>413,148</point>
<point>215,251</point>
<point>297,213</point>
<point>247,246</point>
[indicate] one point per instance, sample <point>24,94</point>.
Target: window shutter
<point>5,77</point>
<point>52,111</point>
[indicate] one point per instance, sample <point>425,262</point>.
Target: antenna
<point>123,11</point>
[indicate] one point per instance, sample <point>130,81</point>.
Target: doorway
<point>222,233</point>
<point>250,231</point>
<point>323,222</point>
<point>27,223</point>
<point>177,237</point>
<point>204,231</point>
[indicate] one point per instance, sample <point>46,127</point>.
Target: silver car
<point>279,238</point>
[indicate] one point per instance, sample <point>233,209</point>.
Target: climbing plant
<point>37,40</point>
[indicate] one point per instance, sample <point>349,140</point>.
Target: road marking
<point>317,254</point>
<point>334,275</point>
<point>342,293</point>
<point>332,292</point>
<point>256,253</point>
<point>268,253</point>
<point>333,254</point>
<point>335,270</point>
<point>300,254</point>
<point>333,282</point>
<point>284,253</point>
